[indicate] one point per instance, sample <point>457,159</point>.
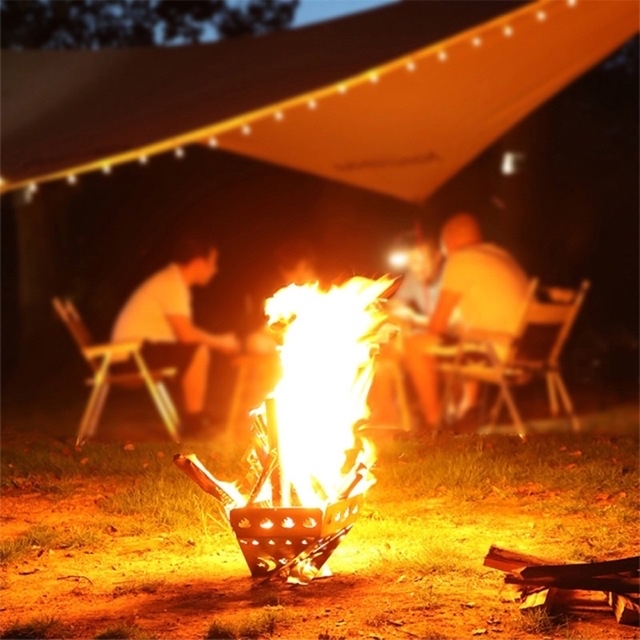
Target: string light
<point>312,104</point>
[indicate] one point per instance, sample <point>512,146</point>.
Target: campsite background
<point>571,212</point>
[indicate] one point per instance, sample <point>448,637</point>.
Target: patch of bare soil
<point>172,588</point>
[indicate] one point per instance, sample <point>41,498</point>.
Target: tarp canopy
<point>394,100</point>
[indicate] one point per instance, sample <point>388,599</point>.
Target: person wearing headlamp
<point>410,309</point>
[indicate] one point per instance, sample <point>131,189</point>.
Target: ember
<point>308,469</point>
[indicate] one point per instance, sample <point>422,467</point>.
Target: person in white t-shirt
<point>159,313</point>
<point>482,292</point>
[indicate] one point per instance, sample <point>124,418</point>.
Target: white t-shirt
<point>418,294</point>
<point>144,316</point>
<point>493,288</point>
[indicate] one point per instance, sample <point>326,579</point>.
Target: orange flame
<point>327,356</point>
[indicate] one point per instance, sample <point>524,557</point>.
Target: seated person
<point>410,308</point>
<point>295,264</point>
<point>159,313</point>
<point>481,295</point>
<point>414,301</point>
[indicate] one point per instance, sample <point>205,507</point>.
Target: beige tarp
<point>430,113</point>
<point>390,109</point>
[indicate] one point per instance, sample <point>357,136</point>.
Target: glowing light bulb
<point>342,88</point>
<point>279,116</point>
<point>179,152</point>
<point>33,187</point>
<point>477,41</point>
<point>398,259</point>
<point>106,169</point>
<point>71,179</point>
<point>213,142</point>
<point>246,129</point>
<point>541,16</point>
<point>508,31</point>
<point>312,104</point>
<point>442,56</point>
<point>411,65</point>
<point>373,77</point>
<point>143,159</point>
<point>572,3</point>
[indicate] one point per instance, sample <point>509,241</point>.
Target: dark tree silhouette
<point>95,24</point>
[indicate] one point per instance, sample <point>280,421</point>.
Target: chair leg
<point>566,401</point>
<point>483,402</point>
<point>95,404</point>
<point>447,396</point>
<point>513,410</point>
<point>171,420</point>
<point>494,414</point>
<point>168,402</point>
<point>158,399</point>
<point>403,404</point>
<point>551,390</point>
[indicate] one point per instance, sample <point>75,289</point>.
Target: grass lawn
<point>114,541</point>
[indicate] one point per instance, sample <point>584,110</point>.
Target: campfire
<point>308,467</point>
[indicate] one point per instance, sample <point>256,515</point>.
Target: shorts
<point>161,355</point>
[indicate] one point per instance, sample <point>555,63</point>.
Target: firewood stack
<point>551,584</point>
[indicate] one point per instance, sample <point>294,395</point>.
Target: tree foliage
<point>95,24</point>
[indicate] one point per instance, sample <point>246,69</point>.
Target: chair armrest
<point>469,349</point>
<point>112,348</point>
<point>561,295</point>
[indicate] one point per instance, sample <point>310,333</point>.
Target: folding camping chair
<point>547,318</point>
<point>119,364</point>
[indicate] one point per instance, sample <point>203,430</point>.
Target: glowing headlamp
<point>398,259</point>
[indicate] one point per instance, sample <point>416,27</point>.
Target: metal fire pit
<point>292,542</point>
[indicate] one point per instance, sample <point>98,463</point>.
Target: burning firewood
<point>307,469</point>
<point>192,466</point>
<point>268,469</point>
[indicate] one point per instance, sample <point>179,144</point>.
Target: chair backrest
<point>67,312</point>
<point>547,319</point>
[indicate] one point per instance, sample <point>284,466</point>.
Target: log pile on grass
<point>552,585</point>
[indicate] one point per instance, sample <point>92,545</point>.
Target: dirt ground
<point>175,589</point>
<point>170,587</point>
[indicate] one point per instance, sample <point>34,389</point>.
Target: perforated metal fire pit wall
<point>293,542</point>
<point>288,542</point>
